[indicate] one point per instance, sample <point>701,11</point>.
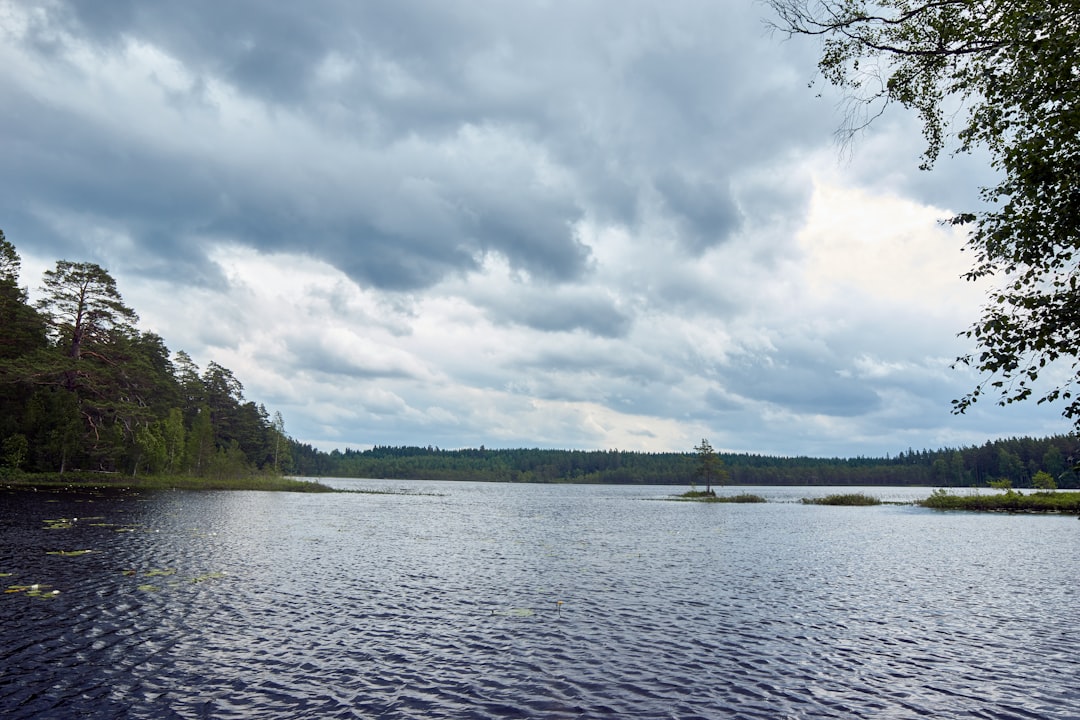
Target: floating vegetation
<point>42,592</point>
<point>514,612</point>
<point>68,553</point>
<point>526,611</point>
<point>852,499</point>
<point>152,572</point>
<point>208,576</point>
<point>149,588</point>
<point>68,523</point>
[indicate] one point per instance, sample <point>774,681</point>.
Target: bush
<point>843,499</point>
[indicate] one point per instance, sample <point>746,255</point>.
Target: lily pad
<point>208,576</point>
<point>161,572</point>
<point>149,588</point>
<point>514,612</point>
<point>42,592</point>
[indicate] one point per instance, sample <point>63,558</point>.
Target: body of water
<point>470,600</point>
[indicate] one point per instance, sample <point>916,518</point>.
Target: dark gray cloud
<point>554,310</point>
<point>802,383</point>
<point>525,120</point>
<point>704,209</point>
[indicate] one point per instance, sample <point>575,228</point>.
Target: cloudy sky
<point>540,223</point>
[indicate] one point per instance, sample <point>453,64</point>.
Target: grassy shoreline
<point>100,481</point>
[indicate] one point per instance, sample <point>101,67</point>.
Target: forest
<point>1015,460</point>
<point>83,390</point>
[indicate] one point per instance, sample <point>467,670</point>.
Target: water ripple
<point>529,602</point>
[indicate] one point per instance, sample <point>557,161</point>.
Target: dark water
<point>238,605</point>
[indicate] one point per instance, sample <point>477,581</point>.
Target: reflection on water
<point>494,601</point>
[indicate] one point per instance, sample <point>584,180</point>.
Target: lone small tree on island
<point>1043,481</point>
<point>710,467</point>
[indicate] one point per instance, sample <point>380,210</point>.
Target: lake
<point>472,600</point>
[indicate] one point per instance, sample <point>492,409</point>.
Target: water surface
<point>556,601</point>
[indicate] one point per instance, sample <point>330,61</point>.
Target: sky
<point>600,224</point>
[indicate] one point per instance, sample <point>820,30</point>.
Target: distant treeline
<point>1016,460</point>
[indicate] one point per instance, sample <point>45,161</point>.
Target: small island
<point>849,499</point>
<point>712,497</point>
<point>711,469</point>
<point>1045,499</point>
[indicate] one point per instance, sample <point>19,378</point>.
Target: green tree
<point>200,443</point>
<point>22,337</point>
<point>710,468</point>
<point>1005,77</point>
<point>14,450</point>
<point>173,435</point>
<point>228,462</point>
<point>23,328</point>
<point>224,398</point>
<point>1053,462</point>
<point>1043,480</point>
<point>83,305</point>
<point>281,443</point>
<point>121,379</point>
<point>55,429</point>
<point>150,451</point>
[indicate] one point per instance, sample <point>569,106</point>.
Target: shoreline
<point>99,481</point>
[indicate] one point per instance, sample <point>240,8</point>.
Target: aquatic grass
<point>68,553</point>
<point>847,499</point>
<point>1013,501</point>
